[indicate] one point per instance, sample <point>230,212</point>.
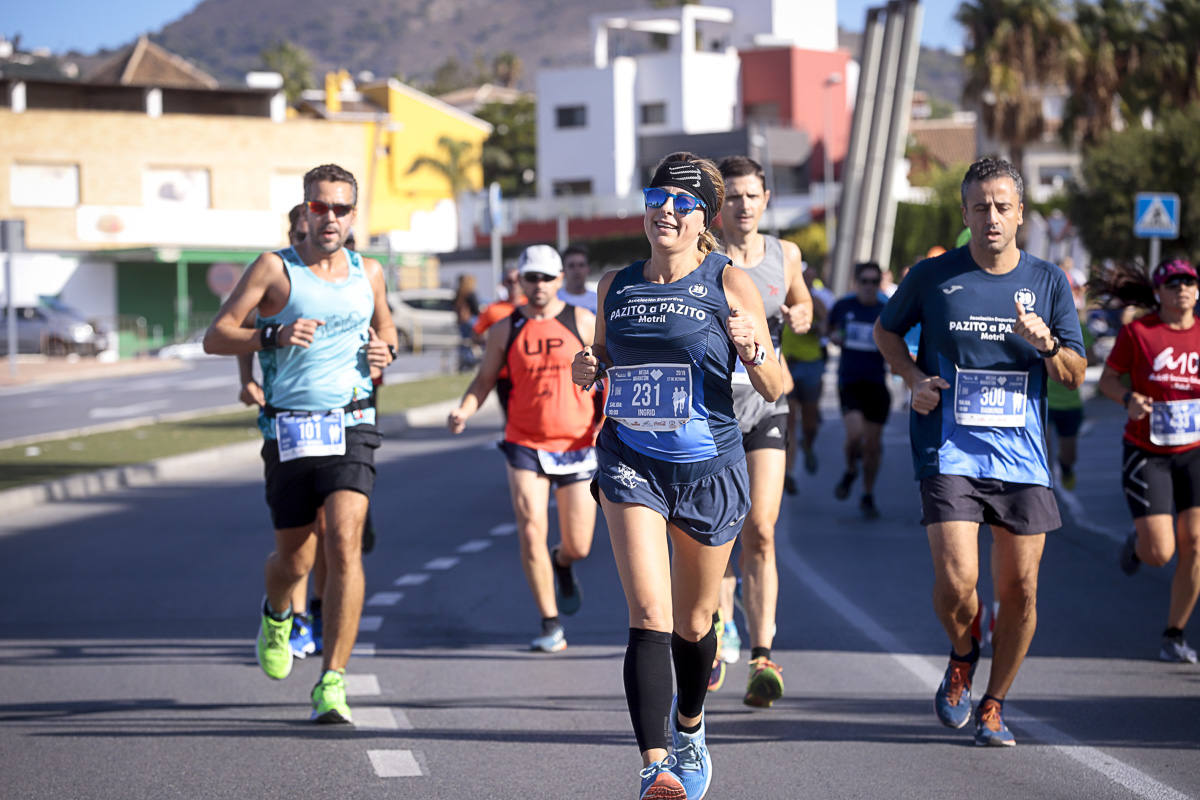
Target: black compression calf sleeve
<point>648,686</point>
<point>693,665</point>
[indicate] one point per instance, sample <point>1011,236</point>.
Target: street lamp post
<point>834,79</point>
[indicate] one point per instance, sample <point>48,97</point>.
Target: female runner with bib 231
<point>670,458</point>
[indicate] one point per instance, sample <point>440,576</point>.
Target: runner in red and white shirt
<point>1160,354</point>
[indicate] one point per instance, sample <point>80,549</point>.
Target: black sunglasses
<point>321,209</point>
<point>537,277</point>
<point>1175,283</point>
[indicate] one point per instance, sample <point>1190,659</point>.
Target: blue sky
<point>86,25</point>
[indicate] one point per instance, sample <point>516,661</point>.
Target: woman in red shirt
<point>1160,352</point>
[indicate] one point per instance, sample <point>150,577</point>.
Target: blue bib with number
<point>650,397</point>
<point>990,398</point>
<point>1175,422</point>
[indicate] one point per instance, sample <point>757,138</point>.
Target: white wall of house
<point>810,25</point>
<point>88,285</point>
<point>710,91</point>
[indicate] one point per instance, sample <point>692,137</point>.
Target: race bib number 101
<point>303,435</point>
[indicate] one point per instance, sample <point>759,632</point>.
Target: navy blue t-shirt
<point>966,317</point>
<point>861,359</point>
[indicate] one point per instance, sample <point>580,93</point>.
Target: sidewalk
<point>33,369</point>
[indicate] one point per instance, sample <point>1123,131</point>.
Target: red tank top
<point>546,410</point>
<point>1162,364</point>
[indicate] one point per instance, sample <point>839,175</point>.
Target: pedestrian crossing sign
<point>1156,215</point>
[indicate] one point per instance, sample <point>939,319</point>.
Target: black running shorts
<point>1153,481</point>
<point>1023,508</point>
<point>769,434</point>
<point>871,398</point>
<point>296,489</point>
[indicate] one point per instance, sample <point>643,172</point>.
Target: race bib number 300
<point>990,398</point>
<point>1175,422</point>
<point>303,435</point>
<point>650,397</point>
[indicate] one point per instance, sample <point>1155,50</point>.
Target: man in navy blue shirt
<point>996,325</point>
<point>862,382</point>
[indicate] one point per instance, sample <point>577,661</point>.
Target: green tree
<point>1163,159</point>
<point>294,63</point>
<point>920,226</point>
<point>457,158</point>
<point>1172,65</point>
<point>1103,80</point>
<point>510,153</point>
<point>1017,50</point>
<point>507,69</point>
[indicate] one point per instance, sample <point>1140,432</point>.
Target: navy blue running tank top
<point>682,322</point>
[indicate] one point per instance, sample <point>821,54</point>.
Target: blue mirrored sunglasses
<point>683,204</point>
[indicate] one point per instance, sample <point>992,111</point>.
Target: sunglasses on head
<point>1175,283</point>
<point>537,277</point>
<point>321,209</point>
<point>683,204</point>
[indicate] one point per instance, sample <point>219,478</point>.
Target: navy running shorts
<point>869,397</point>
<point>521,457</point>
<point>1066,421</point>
<point>707,500</point>
<point>769,434</point>
<point>806,380</point>
<point>1153,482</point>
<point>296,489</point>
<point>1023,508</point>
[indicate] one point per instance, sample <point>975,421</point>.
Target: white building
<point>590,119</point>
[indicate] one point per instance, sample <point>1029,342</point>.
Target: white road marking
<point>506,529</point>
<point>368,623</point>
<point>394,763</point>
<point>921,667</point>
<point>474,546</point>
<point>1075,509</point>
<point>363,650</point>
<point>109,412</point>
<point>411,579</point>
<point>362,685</point>
<point>442,563</point>
<point>385,598</point>
<point>374,718</point>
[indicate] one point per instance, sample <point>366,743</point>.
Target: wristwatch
<point>1053,351</point>
<point>760,355</point>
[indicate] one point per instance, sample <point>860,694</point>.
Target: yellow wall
<point>112,149</point>
<point>414,131</point>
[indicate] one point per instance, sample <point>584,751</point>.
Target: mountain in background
<point>413,38</point>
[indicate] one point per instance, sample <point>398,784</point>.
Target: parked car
<point>53,328</point>
<point>424,318</point>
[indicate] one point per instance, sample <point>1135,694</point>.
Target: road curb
<point>86,485</point>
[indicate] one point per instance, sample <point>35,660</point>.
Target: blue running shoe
<point>659,783</point>
<point>953,699</point>
<point>551,641</point>
<point>990,730</point>
<point>567,592</point>
<point>301,638</point>
<point>731,643</point>
<point>693,766</point>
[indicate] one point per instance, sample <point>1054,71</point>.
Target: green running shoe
<point>329,698</point>
<point>766,683</point>
<point>274,647</point>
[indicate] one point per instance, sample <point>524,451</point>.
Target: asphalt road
<point>127,665</point>
<point>32,410</point>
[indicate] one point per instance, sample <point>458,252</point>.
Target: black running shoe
<point>842,490</point>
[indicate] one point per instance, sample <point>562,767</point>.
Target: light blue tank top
<point>678,323</point>
<point>333,371</point>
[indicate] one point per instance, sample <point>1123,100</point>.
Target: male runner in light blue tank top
<point>775,268</point>
<point>323,323</point>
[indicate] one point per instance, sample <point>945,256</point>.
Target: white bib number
<point>307,434</point>
<point>860,336</point>
<point>650,397</point>
<point>569,463</point>
<point>990,398</point>
<point>1175,422</point>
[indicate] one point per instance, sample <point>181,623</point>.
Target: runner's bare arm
<point>383,329</point>
<point>1111,385</point>
<point>249,392</point>
<point>485,378</point>
<point>1066,366</point>
<point>586,366</point>
<point>926,389</point>
<point>747,327</point>
<point>262,287</point>
<point>798,312</point>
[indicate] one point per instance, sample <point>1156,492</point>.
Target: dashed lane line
<point>385,598</point>
<point>473,546</point>
<point>411,579</point>
<point>442,563</point>
<point>395,763</point>
<point>369,623</point>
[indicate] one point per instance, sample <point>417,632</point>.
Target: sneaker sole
<point>719,671</point>
<point>951,723</point>
<point>331,717</point>
<point>994,742</point>
<point>665,793</point>
<point>762,696</point>
<point>558,648</point>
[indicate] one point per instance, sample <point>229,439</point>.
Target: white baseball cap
<point>540,258</point>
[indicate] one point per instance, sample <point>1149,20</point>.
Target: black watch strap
<point>1053,351</point>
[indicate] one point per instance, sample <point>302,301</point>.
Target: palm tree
<point>454,167</point>
<point>1173,63</point>
<point>1112,35</point>
<point>1019,51</point>
<point>294,63</point>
